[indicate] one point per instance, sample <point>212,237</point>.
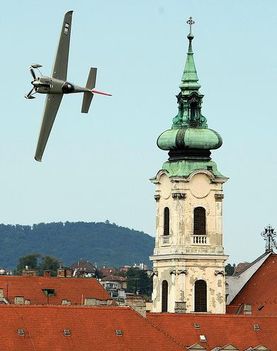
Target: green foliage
<point>98,274</point>
<point>105,243</point>
<point>50,264</point>
<point>29,261</point>
<point>38,263</point>
<point>138,282</point>
<point>229,269</point>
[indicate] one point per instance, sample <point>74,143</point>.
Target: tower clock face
<point>200,186</point>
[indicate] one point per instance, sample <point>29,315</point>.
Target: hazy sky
<point>97,166</point>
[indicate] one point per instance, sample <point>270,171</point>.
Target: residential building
<point>83,268</point>
<point>48,290</point>
<point>115,285</point>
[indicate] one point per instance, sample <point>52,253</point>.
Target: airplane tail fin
<point>88,95</point>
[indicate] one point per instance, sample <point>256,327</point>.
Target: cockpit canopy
<point>67,88</point>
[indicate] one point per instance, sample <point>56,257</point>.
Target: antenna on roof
<point>269,235</point>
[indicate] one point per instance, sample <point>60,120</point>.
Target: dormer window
<point>49,292</point>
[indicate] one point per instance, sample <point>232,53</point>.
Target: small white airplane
<point>57,85</point>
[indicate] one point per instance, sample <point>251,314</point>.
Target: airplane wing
<point>61,61</point>
<point>52,103</point>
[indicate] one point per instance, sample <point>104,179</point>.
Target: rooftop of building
<point>212,331</point>
<point>84,266</point>
<point>35,289</point>
<point>259,290</point>
<point>79,328</point>
<point>114,278</point>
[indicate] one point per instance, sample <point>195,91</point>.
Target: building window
<point>200,296</point>
<point>199,221</point>
<point>164,296</point>
<point>166,221</point>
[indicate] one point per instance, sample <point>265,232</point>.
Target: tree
<point>229,269</point>
<point>138,282</point>
<point>49,263</point>
<point>27,262</point>
<point>39,263</point>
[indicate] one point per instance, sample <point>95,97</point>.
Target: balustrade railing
<point>199,239</point>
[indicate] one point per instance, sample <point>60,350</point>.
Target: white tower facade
<point>189,259</point>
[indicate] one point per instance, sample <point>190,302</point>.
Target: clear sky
<point>97,166</point>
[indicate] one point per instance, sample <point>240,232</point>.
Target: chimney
<point>68,272</point>
<point>27,272</point>
<point>47,273</point>
<point>61,273</point>
<point>64,273</point>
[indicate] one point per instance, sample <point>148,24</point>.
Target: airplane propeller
<point>29,95</point>
<point>32,67</point>
<point>33,73</point>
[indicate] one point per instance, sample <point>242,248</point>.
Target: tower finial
<point>190,22</point>
<point>189,81</point>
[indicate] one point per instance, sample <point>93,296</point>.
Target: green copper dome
<point>189,137</point>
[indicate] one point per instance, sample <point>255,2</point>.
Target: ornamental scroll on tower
<point>189,259</point>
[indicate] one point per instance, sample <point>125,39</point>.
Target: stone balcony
<point>199,239</point>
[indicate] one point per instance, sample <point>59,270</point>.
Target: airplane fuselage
<point>48,85</point>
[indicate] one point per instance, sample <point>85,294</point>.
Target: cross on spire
<point>190,22</point>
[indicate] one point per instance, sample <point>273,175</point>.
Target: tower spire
<point>189,257</point>
<point>189,137</point>
<point>189,81</point>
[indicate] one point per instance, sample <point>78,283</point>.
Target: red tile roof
<point>90,328</point>
<point>84,266</point>
<point>260,291</point>
<point>219,330</point>
<point>107,271</point>
<point>73,289</point>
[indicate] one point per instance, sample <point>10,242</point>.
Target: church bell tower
<point>188,259</point>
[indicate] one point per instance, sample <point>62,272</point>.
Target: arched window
<point>200,296</point>
<point>166,221</point>
<point>164,296</point>
<point>199,221</point>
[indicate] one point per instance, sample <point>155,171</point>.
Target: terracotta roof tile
<point>90,328</point>
<point>219,330</point>
<point>261,290</point>
<point>31,288</point>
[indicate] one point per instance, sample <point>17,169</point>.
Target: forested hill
<point>103,243</point>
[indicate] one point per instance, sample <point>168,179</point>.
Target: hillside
<point>103,243</point>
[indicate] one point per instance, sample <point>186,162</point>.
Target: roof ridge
<point>164,332</point>
<point>252,263</point>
